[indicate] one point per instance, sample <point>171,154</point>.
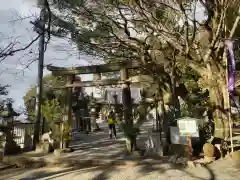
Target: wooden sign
<point>188,126</point>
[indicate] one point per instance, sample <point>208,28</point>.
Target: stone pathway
<point>93,149</point>
<point>98,145</point>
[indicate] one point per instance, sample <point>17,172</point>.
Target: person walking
<point>111,125</point>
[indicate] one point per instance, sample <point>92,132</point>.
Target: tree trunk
<point>157,123</point>
<point>68,105</point>
<point>175,100</point>
<point>131,143</point>
<point>128,120</point>
<point>43,125</point>
<point>218,99</point>
<point>164,134</point>
<point>163,122</point>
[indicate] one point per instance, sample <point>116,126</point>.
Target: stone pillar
<point>93,117</point>
<point>68,111</point>
<point>123,74</point>
<point>130,131</point>
<point>11,146</point>
<point>93,114</point>
<point>93,108</point>
<point>116,109</point>
<point>82,120</point>
<point>126,98</point>
<point>78,120</point>
<point>68,105</point>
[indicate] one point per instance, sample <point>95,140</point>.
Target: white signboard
<point>188,126</point>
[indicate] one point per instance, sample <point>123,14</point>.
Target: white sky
<point>22,32</point>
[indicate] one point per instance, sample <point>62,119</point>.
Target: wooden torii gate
<point>96,70</point>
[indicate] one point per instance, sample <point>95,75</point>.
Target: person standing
<point>111,125</point>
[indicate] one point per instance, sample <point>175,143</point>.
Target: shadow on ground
<point>158,171</point>
<point>98,146</point>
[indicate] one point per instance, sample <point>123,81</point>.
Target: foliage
<point>50,92</point>
<point>99,32</point>
<point>4,89</point>
<point>185,111</point>
<point>162,35</point>
<point>52,111</point>
<point>66,131</point>
<point>53,103</point>
<point>205,132</point>
<point>4,100</point>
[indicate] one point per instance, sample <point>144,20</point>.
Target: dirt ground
<point>99,146</point>
<point>219,170</point>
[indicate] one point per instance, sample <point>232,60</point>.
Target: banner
<point>231,66</point>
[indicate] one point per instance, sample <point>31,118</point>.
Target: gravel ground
<point>219,170</point>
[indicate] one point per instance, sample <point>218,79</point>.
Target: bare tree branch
<point>10,51</point>
<point>236,23</point>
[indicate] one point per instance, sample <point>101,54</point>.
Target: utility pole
<point>41,31</point>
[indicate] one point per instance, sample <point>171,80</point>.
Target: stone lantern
<point>93,114</point>
<point>7,122</point>
<point>59,134</point>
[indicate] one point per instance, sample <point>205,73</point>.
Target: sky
<point>13,69</point>
<point>59,52</point>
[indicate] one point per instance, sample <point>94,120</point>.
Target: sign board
<point>188,126</point>
<point>175,136</point>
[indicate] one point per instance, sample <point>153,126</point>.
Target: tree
<point>6,113</point>
<point>49,93</point>
<point>6,102</point>
<point>144,30</point>
<point>3,92</point>
<point>52,112</point>
<point>113,47</point>
<point>54,99</point>
<point>11,48</point>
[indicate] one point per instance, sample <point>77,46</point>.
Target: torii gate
<point>96,70</point>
